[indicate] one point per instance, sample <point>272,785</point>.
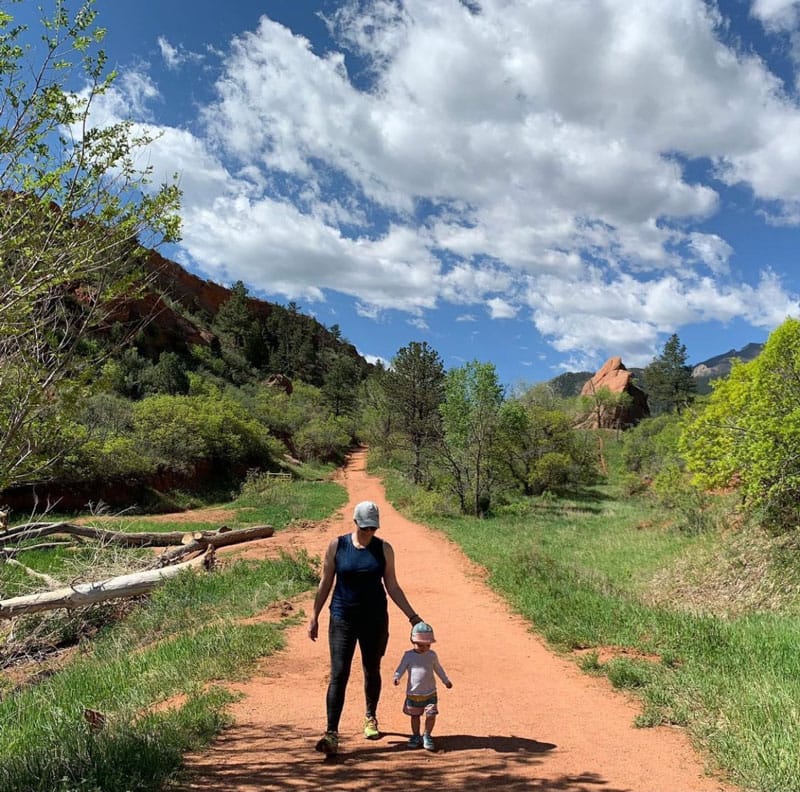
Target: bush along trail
<point>518,717</point>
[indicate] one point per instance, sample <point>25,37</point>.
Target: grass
<point>157,674</point>
<point>262,502</point>
<point>186,635</point>
<point>586,571</point>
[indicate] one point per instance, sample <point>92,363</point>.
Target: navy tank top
<point>359,590</point>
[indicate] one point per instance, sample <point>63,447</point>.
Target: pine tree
<point>414,388</point>
<point>668,380</point>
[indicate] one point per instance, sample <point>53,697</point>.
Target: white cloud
<point>375,359</point>
<point>533,153</point>
<point>169,53</point>
<point>175,57</point>
<point>777,14</point>
<point>501,309</point>
<point>712,250</point>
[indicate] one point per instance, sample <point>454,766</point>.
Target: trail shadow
<point>468,742</point>
<point>284,758</point>
<point>393,742</point>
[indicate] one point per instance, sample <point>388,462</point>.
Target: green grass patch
<point>186,635</point>
<point>582,570</point>
<point>262,501</point>
<point>278,502</point>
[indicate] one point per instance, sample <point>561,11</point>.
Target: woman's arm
<point>324,588</point>
<point>393,587</point>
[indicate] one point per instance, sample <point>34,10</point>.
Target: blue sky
<point>541,184</point>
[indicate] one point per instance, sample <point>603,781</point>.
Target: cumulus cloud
<point>520,156</point>
<point>500,308</point>
<point>777,14</point>
<point>712,250</point>
<point>175,57</point>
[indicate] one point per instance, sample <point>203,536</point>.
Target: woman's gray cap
<point>366,515</point>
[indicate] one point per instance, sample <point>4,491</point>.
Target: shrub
<point>689,505</point>
<point>323,438</point>
<point>179,431</point>
<point>652,444</point>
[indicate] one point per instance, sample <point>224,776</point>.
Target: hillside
<point>180,384</point>
<point>227,330</point>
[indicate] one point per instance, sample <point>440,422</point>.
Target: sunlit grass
<point>187,635</point>
<point>150,672</point>
<point>583,572</point>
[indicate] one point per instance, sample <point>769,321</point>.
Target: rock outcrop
<point>281,382</point>
<point>615,379</point>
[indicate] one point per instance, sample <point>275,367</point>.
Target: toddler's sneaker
<point>415,741</point>
<point>328,743</point>
<point>371,728</point>
<point>427,742</point>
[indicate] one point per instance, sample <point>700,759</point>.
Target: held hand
<point>313,629</point>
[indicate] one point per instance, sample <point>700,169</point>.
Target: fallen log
<point>198,542</point>
<point>218,538</point>
<point>12,552</point>
<point>46,579</point>
<point>82,594</point>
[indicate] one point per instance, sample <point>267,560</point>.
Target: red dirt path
<point>517,718</point>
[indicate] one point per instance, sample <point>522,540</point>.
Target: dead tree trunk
<point>223,536</point>
<point>82,594</point>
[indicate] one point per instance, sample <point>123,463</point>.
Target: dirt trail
<point>518,717</point>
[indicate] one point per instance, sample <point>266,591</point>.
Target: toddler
<point>421,663</point>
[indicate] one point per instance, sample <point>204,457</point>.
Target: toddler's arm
<point>442,674</point>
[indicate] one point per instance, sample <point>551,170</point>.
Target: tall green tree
<point>471,419</point>
<point>414,390</point>
<point>748,435</point>
<point>340,383</point>
<point>233,319</point>
<point>74,210</point>
<point>668,380</point>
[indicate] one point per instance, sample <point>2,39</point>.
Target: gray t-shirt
<point>421,667</point>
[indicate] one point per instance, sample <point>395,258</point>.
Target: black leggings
<point>371,635</point>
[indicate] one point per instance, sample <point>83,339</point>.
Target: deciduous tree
<point>538,447</point>
<point>471,416</point>
<point>74,210</point>
<point>749,432</point>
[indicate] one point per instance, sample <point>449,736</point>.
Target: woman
<point>363,567</point>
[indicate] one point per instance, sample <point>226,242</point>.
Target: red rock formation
<point>195,294</point>
<point>280,381</point>
<point>614,378</point>
<point>163,327</point>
